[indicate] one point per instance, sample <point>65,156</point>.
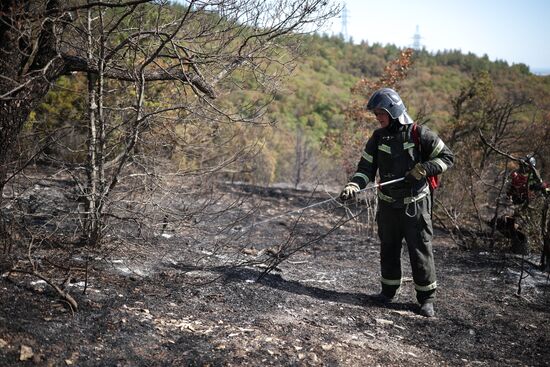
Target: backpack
<point>433,181</point>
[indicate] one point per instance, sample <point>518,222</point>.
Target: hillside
<point>313,102</point>
<point>294,140</point>
<point>300,131</point>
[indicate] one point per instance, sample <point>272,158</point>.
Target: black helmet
<point>387,99</point>
<point>527,162</point>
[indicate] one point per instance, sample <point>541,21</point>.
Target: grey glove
<point>349,191</point>
<point>417,173</point>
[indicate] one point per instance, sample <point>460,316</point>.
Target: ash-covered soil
<point>185,303</point>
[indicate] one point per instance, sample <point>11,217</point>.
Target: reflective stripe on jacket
<point>392,153</point>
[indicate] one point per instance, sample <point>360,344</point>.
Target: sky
<point>516,31</point>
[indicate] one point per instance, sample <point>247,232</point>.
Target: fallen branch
<point>64,295</point>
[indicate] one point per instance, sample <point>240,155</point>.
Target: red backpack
<point>433,181</point>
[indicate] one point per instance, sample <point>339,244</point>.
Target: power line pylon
<point>416,40</point>
<point>344,30</point>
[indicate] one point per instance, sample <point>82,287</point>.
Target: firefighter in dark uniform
<point>404,208</point>
<point>525,181</point>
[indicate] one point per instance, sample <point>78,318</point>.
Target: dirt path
<point>316,310</point>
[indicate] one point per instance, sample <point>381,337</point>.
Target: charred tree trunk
<point>29,62</point>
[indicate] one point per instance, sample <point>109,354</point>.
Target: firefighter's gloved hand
<point>417,173</point>
<point>349,191</point>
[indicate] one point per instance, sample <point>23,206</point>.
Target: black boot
<point>427,309</point>
<point>385,299</point>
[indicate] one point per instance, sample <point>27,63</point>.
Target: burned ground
<point>183,302</point>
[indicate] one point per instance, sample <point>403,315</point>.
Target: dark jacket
<point>392,152</point>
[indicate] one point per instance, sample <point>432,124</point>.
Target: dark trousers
<point>413,223</point>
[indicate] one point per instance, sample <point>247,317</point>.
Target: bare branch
<point>65,296</point>
<point>511,157</point>
<point>74,63</point>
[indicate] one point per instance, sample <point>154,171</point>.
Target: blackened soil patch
<point>316,309</point>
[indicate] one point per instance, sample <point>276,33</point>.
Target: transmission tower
<point>344,30</point>
<point>416,40</point>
